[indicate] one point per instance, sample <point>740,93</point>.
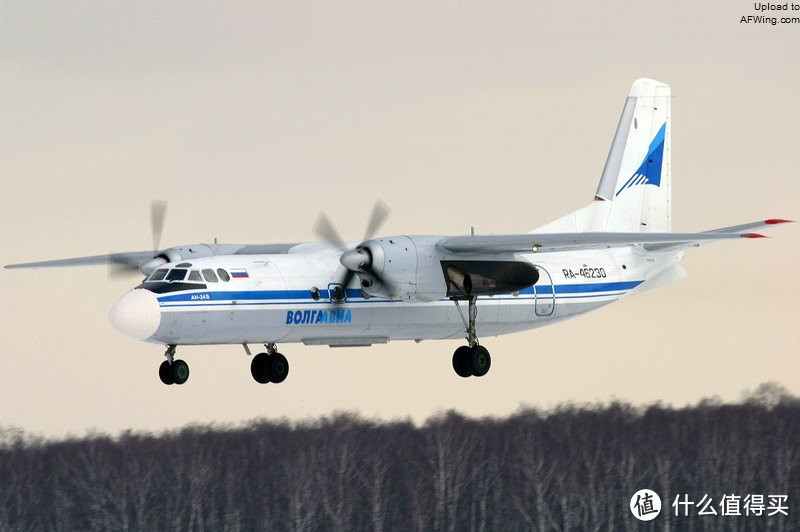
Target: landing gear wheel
<point>258,368</point>
<point>277,367</point>
<point>180,371</point>
<point>472,358</point>
<point>461,361</point>
<point>165,373</point>
<point>479,360</point>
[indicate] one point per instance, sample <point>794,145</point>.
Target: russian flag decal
<point>239,273</point>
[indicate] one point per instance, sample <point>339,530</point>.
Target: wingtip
<point>753,235</point>
<point>773,221</point>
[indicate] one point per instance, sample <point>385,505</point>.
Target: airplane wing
<point>130,258</point>
<point>135,258</point>
<point>749,227</point>
<point>549,242</point>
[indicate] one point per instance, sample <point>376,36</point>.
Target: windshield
<point>176,275</point>
<point>158,275</point>
<point>167,280</point>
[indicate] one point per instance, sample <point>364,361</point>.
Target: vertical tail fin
<point>634,194</point>
<point>637,176</point>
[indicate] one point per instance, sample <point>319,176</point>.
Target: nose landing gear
<point>173,371</point>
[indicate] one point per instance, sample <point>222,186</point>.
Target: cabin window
<point>223,275</point>
<point>176,275</point>
<point>158,275</point>
<point>210,276</point>
<point>194,275</point>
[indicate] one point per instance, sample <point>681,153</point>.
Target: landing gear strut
<point>270,366</point>
<point>472,359</point>
<point>173,371</point>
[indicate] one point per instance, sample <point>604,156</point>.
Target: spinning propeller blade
<point>380,211</point>
<point>158,210</point>
<point>120,269</point>
<point>325,230</point>
<point>355,260</point>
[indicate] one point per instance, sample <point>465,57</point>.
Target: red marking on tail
<point>773,221</point>
<point>753,235</point>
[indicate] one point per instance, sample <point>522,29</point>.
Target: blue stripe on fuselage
<point>588,287</point>
<point>242,295</point>
<point>260,295</point>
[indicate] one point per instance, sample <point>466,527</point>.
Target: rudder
<point>637,176</point>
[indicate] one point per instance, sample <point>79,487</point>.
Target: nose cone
<point>354,259</point>
<point>136,314</point>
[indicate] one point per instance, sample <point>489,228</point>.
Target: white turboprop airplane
<point>410,287</point>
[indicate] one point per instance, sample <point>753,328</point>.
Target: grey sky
<point>251,117</point>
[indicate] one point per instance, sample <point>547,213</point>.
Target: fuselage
<point>289,297</point>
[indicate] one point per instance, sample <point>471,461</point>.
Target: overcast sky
<point>251,117</point>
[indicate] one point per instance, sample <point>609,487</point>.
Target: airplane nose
<point>136,314</point>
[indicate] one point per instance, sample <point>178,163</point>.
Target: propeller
<point>122,266</point>
<point>358,259</point>
<point>158,210</point>
<point>325,230</point>
<point>119,269</point>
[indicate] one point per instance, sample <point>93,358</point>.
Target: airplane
<point>420,287</point>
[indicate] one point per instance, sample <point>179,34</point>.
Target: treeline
<point>572,468</point>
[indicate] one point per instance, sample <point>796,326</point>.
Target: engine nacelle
<point>416,269</point>
<point>175,254</point>
<point>409,266</point>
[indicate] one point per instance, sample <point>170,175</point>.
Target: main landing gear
<point>173,371</point>
<point>472,359</point>
<point>270,366</point>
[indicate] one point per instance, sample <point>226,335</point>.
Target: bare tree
<point>575,467</point>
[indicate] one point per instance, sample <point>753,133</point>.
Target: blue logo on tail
<point>649,172</point>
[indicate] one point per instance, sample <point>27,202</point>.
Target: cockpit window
<point>176,275</point>
<point>158,275</point>
<point>194,275</point>
<point>210,276</point>
<point>223,275</point>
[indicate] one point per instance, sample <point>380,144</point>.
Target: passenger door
<point>544,294</point>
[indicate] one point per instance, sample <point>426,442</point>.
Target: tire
<point>479,361</point>
<point>180,371</point>
<point>165,373</point>
<point>461,361</point>
<point>277,368</point>
<point>258,368</point>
